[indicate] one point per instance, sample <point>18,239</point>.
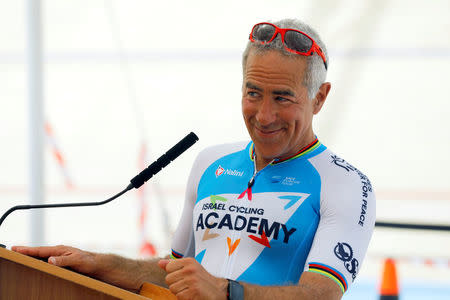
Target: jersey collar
<point>302,152</point>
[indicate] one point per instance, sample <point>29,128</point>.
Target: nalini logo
<point>219,171</point>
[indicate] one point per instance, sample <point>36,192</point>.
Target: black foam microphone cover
<point>164,160</point>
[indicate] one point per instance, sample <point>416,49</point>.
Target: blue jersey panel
<point>287,255</point>
<point>228,174</point>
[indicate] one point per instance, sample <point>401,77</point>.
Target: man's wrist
<point>235,290</point>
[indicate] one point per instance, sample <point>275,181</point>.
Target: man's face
<point>275,104</point>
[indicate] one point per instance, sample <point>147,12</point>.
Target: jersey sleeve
<point>183,239</point>
<point>347,219</point>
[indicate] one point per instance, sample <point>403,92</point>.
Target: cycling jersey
<point>311,212</point>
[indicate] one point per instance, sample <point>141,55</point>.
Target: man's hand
<point>187,279</point>
<point>64,256</point>
<point>126,273</point>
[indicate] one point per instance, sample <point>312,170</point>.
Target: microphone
<point>164,160</point>
<point>136,182</point>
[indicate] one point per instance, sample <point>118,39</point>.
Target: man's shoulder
<point>334,169</point>
<point>212,153</point>
<point>344,188</point>
<point>216,151</point>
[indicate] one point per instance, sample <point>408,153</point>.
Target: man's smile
<point>267,132</point>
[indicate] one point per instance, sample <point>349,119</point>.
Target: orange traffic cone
<point>389,285</point>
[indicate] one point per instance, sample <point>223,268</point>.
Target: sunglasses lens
<point>296,41</point>
<point>263,32</point>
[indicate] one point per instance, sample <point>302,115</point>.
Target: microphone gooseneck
<point>23,207</point>
<point>136,182</point>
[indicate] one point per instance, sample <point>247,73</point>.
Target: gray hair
<point>315,74</point>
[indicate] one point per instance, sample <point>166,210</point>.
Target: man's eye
<point>282,99</point>
<point>252,94</point>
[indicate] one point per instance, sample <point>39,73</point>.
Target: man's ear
<point>321,96</point>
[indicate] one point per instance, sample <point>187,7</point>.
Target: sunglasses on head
<point>294,40</point>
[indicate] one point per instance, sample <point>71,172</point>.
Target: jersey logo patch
<point>263,240</point>
<point>219,171</point>
<point>247,191</point>
<point>215,198</point>
<point>289,181</point>
<point>232,247</point>
<point>275,179</point>
<point>223,223</point>
<point>342,163</point>
<point>344,252</point>
<point>292,200</point>
<point>209,236</point>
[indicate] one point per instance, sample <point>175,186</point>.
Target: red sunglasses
<point>294,40</point>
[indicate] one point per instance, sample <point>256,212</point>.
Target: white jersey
<point>310,212</point>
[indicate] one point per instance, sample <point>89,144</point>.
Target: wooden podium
<point>23,277</point>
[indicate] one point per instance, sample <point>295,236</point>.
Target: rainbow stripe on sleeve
<point>176,255</point>
<point>331,273</point>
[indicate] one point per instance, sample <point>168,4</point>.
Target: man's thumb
<point>163,263</point>
<point>59,261</point>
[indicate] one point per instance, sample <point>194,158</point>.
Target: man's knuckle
<point>173,289</point>
<point>194,289</point>
<point>186,295</point>
<point>189,270</point>
<point>169,279</point>
<point>190,260</point>
<point>170,268</point>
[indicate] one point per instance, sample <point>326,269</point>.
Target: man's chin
<point>267,143</point>
<point>268,150</point>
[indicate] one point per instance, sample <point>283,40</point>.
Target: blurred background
<point>122,81</point>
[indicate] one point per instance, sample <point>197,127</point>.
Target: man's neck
<point>262,162</point>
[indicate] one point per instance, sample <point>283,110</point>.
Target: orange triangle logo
<point>232,247</point>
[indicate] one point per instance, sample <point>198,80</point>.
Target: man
<point>281,217</point>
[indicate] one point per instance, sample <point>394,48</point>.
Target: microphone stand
<point>24,207</point>
<point>136,181</point>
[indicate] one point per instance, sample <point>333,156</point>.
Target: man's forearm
<point>311,286</point>
<point>127,273</point>
<point>123,272</point>
<point>257,292</point>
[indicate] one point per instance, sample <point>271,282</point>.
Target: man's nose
<point>266,113</point>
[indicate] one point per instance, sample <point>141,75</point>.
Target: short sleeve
<point>347,220</point>
<point>183,239</point>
